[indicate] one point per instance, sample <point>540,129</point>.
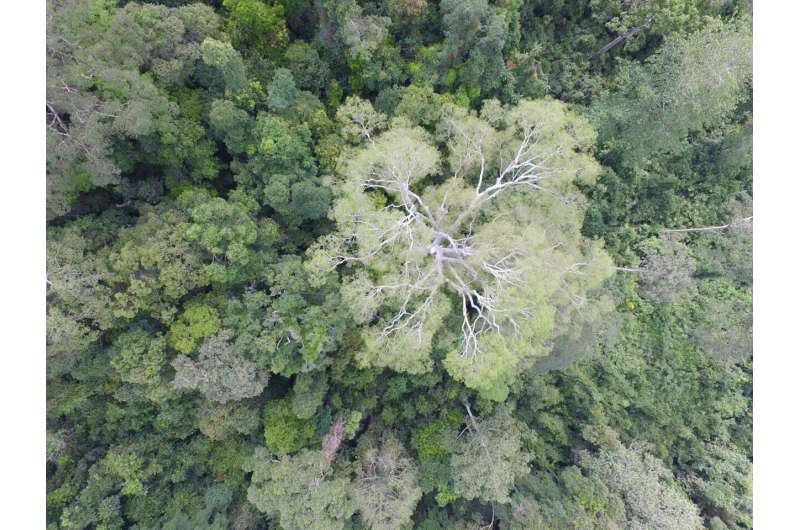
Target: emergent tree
<point>494,234</point>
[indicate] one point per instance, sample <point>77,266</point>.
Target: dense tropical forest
<point>395,264</point>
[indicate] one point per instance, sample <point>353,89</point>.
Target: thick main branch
<point>478,282</point>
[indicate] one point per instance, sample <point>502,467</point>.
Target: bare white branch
<point>480,279</point>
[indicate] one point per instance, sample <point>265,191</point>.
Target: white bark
<point>708,228</point>
<point>478,282</point>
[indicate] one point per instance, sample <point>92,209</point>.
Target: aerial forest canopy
<point>398,264</point>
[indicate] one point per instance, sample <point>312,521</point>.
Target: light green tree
<point>220,421</point>
<point>138,357</point>
<point>386,490</point>
<point>300,491</point>
<point>643,484</point>
<point>284,431</point>
<point>219,372</point>
<point>308,393</point>
<point>229,63</point>
<point>282,91</point>
<point>358,121</point>
<point>152,265</point>
<point>345,24</point>
<point>488,456</point>
<point>234,243</point>
<point>195,323</point>
<point>667,269</point>
<point>691,82</point>
<point>498,241</point>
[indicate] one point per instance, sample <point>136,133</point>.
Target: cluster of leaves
<point>345,264</point>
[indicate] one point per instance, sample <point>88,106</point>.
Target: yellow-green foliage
<point>139,356</point>
<point>350,265</point>
<point>283,431</point>
<point>195,323</point>
<point>523,259</point>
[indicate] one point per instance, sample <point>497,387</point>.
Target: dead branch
<point>57,119</point>
<point>625,36</point>
<point>706,228</point>
<point>449,257</point>
<point>485,447</point>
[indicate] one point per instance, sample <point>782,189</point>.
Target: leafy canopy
<point>497,242</point>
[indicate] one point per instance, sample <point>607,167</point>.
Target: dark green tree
<point>281,172</point>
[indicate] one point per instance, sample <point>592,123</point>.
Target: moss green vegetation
<point>396,264</point>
